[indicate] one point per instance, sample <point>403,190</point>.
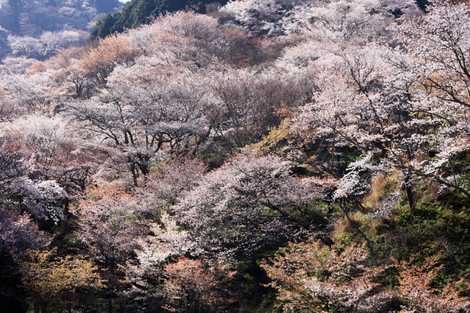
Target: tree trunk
<point>410,194</point>
<point>411,199</point>
<point>134,173</point>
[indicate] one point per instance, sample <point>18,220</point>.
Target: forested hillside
<point>270,156</point>
<point>40,28</point>
<point>138,12</point>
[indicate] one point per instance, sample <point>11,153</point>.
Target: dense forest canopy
<point>263,156</point>
<point>138,12</point>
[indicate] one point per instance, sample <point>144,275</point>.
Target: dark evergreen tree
<point>105,26</point>
<point>106,5</point>
<point>422,4</point>
<point>138,12</point>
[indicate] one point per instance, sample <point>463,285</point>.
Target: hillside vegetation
<point>40,28</point>
<point>273,156</point>
<point>139,12</point>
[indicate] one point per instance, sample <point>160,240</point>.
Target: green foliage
<point>139,12</point>
<point>56,282</point>
<point>389,277</point>
<point>275,140</point>
<point>422,4</point>
<point>298,268</point>
<point>48,275</point>
<point>435,228</point>
<point>105,5</point>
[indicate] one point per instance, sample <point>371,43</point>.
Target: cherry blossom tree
<point>173,178</point>
<point>106,228</point>
<point>139,117</point>
<point>245,206</point>
<point>44,200</point>
<point>23,93</point>
<point>379,111</point>
<point>19,233</point>
<point>248,101</point>
<point>260,18</point>
<point>439,44</point>
<point>342,21</point>
<point>46,45</point>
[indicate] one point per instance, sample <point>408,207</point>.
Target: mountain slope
<point>138,12</point>
<point>22,23</point>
